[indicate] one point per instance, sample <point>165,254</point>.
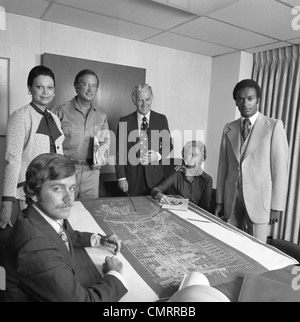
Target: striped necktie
<point>144,126</point>
<point>63,236</point>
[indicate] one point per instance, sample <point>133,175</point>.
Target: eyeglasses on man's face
<point>94,87</point>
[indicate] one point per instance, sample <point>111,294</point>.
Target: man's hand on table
<point>112,242</point>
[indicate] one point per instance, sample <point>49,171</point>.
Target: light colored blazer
<point>263,168</point>
<point>23,144</point>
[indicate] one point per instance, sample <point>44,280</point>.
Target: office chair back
<point>287,247</point>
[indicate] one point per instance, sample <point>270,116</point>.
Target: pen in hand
<point>112,242</point>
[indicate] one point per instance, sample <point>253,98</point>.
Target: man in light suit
<point>253,166</point>
<point>139,165</point>
<point>39,254</point>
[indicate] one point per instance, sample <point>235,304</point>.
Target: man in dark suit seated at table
<point>39,255</point>
<point>143,143</point>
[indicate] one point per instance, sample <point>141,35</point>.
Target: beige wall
<point>180,80</point>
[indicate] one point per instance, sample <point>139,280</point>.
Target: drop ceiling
<point>207,27</point>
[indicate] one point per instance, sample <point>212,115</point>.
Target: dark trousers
<point>141,188</point>
<point>4,233</point>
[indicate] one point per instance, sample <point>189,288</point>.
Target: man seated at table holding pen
<point>39,255</point>
<point>189,181</point>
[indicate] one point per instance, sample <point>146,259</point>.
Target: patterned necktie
<point>144,126</point>
<point>246,128</point>
<point>63,236</point>
<point>143,138</point>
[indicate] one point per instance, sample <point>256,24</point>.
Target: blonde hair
<point>200,145</point>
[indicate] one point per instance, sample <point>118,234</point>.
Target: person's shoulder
<point>22,112</point>
<point>158,115</point>
<point>176,175</point>
<point>62,107</point>
<point>53,114</point>
<point>206,176</point>
<point>230,125</point>
<point>23,229</point>
<point>233,123</point>
<point>269,120</point>
<point>24,109</point>
<point>128,116</point>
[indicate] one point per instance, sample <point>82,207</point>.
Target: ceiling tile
<point>29,8</point>
<point>268,47</point>
<point>267,17</point>
<point>143,12</point>
<point>202,7</point>
<point>98,23</point>
<point>239,25</point>
<point>221,33</point>
<point>179,42</point>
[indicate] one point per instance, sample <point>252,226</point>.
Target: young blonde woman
<point>189,181</point>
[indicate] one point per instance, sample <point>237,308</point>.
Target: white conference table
<point>138,290</point>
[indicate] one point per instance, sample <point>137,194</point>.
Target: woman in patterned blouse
<point>31,130</point>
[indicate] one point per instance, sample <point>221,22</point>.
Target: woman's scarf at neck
<point>47,125</point>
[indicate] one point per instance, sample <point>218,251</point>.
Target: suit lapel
<point>151,127</point>
<point>152,120</point>
<point>132,132</point>
<point>259,131</point>
<point>234,137</point>
<point>45,228</point>
<point>132,123</point>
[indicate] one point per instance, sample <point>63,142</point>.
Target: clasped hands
<point>149,157</point>
<point>111,263</point>
<point>164,199</point>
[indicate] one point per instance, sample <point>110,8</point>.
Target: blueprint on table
<point>162,247</point>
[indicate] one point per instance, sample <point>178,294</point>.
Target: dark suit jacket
<point>39,266</point>
<point>159,140</point>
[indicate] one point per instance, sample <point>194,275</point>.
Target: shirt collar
<point>56,224</point>
<point>78,107</point>
<point>252,119</point>
<point>140,116</point>
<point>37,109</point>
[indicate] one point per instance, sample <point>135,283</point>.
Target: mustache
<point>188,166</point>
<point>65,205</point>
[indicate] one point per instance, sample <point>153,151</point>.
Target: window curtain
<point>278,74</point>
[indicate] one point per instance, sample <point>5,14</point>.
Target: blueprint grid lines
<point>162,247</point>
